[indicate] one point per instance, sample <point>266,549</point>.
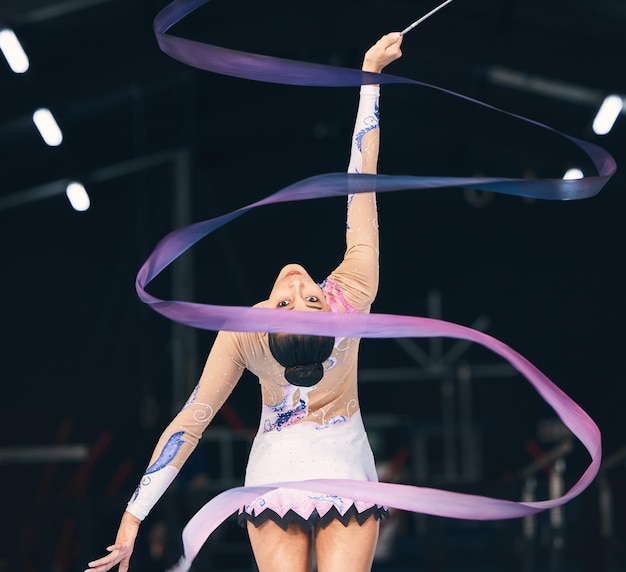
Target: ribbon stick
<point>283,71</point>
<point>418,22</point>
<point>234,318</point>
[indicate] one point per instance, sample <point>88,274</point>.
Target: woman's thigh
<point>278,550</point>
<point>347,548</point>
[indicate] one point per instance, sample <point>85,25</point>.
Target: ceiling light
<point>48,127</point>
<point>607,114</point>
<point>573,174</point>
<point>13,52</point>
<point>78,197</point>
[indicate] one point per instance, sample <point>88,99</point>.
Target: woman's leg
<point>278,550</point>
<point>346,548</point>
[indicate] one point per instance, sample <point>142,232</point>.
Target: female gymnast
<point>310,425</point>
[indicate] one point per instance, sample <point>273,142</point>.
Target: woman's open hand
<point>120,552</point>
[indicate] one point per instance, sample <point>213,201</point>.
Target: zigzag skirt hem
<point>314,519</point>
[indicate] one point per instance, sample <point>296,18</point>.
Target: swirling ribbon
<point>234,318</point>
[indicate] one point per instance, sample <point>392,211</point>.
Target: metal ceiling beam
<point>98,175</point>
<point>548,87</point>
<point>51,10</point>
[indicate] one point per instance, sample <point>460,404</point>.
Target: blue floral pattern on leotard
<point>169,451</point>
<point>371,122</point>
<point>336,501</point>
<point>282,415</point>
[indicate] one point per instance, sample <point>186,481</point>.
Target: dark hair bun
<point>304,375</point>
<point>302,356</point>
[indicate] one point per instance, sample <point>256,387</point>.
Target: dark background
<point>84,362</point>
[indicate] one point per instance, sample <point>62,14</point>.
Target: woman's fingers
<point>121,550</point>
<point>392,38</point>
<point>119,554</point>
<point>383,52</point>
<point>393,42</point>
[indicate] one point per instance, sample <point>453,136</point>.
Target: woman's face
<point>294,289</point>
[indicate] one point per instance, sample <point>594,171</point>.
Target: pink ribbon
<point>234,318</point>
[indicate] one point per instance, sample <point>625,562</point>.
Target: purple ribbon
<point>234,318</point>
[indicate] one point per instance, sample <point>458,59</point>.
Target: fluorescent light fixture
<point>78,197</point>
<point>13,52</point>
<point>573,174</point>
<point>48,127</point>
<point>607,114</point>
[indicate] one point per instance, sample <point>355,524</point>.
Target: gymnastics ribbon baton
<point>424,17</point>
<point>234,318</point>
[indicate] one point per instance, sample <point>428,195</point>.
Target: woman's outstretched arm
<point>358,273</point>
<point>221,373</point>
<point>366,139</point>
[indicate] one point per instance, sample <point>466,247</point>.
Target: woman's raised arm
<point>358,273</point>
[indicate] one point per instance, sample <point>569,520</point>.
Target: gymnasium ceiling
<point>96,65</point>
<point>549,276</point>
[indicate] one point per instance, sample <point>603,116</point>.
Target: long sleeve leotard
<point>333,402</point>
